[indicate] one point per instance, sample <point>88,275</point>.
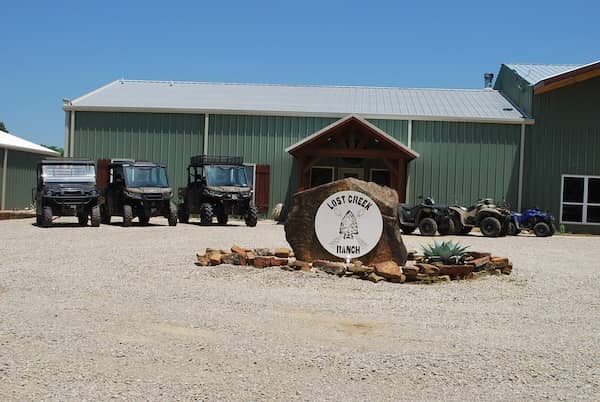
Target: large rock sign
<point>300,225</point>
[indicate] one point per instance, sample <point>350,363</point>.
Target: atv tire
<point>104,215</point>
<point>490,227</point>
<point>251,217</point>
<point>144,218</point>
<point>222,218</point>
<point>407,229</point>
<point>127,215</point>
<point>428,227</point>
<point>46,217</point>
<point>512,229</point>
<point>172,215</point>
<point>446,227</point>
<point>96,216</point>
<point>542,229</point>
<point>183,214</point>
<point>206,214</point>
<point>82,218</point>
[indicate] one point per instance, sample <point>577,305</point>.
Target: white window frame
<point>322,167</point>
<point>378,170</point>
<point>584,204</point>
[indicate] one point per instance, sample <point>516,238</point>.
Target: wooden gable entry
<point>353,137</point>
<point>262,183</point>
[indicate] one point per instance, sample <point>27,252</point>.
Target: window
<point>380,176</point>
<point>580,199</point>
<point>320,175</point>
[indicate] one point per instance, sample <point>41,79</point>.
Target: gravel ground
<point>123,313</point>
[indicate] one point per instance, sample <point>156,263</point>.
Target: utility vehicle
<point>217,187</point>
<point>66,187</point>
<point>133,189</point>
<point>491,219</point>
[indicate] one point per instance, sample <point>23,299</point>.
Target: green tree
<point>3,127</point>
<point>54,148</point>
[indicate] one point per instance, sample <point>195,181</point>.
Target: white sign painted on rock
<point>348,224</point>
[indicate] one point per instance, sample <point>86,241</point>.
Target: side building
<point>562,149</point>
<point>18,170</point>
<point>451,144</point>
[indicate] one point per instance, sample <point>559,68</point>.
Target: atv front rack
<point>203,160</point>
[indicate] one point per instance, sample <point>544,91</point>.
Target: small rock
<point>231,259</point>
<point>357,267</point>
<point>334,268</point>
<point>262,262</point>
<point>427,269</point>
<point>203,261</point>
<point>263,252</point>
<point>300,265</point>
<point>390,271</point>
<point>282,252</point>
<point>238,250</point>
<point>215,258</point>
<point>373,277</point>
<point>250,256</point>
<point>277,262</point>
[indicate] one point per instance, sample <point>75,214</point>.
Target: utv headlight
<point>131,194</point>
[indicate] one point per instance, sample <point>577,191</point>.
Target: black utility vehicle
<point>217,187</point>
<point>66,187</point>
<point>428,216</point>
<point>136,189</point>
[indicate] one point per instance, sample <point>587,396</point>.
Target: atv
<point>491,219</point>
<point>428,216</point>
<point>217,187</point>
<point>66,187</point>
<point>541,223</point>
<point>136,189</point>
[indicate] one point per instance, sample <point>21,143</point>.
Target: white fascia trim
<point>72,134</point>
<point>458,119</point>
<point>67,133</point>
<point>49,152</point>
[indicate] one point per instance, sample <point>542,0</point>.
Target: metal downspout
<point>205,143</point>
<point>72,136</point>
<point>409,144</point>
<point>521,164</point>
<point>67,132</point>
<point>4,169</point>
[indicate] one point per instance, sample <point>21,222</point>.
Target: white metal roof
<point>485,105</point>
<point>534,73</point>
<point>10,141</point>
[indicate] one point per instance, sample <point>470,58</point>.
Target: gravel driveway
<point>124,313</point>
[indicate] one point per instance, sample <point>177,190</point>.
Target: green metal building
<point>562,149</point>
<point>454,145</point>
<point>18,175</point>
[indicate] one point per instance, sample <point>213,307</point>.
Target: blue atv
<point>541,223</point>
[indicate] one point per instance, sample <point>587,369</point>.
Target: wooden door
<point>262,183</point>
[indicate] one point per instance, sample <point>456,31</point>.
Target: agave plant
<point>448,252</point>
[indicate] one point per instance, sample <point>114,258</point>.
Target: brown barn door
<point>261,187</point>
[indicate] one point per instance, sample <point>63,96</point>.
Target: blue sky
<point>55,50</point>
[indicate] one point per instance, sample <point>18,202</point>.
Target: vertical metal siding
<point>564,140</point>
<point>21,178</point>
<point>396,128</point>
<point>157,137</point>
<point>515,88</point>
<point>262,140</point>
<point>1,170</point>
<point>461,162</point>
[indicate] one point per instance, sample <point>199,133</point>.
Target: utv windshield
<point>217,176</point>
<point>68,173</point>
<point>146,176</point>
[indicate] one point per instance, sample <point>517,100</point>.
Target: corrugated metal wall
<point>157,137</point>
<point>21,176</point>
<point>262,140</point>
<point>461,162</point>
<point>515,88</point>
<point>564,140</point>
<point>1,170</point>
<point>396,128</point>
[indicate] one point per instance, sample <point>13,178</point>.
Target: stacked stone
<point>417,269</point>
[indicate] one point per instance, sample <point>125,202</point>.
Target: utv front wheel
<point>127,215</point>
<point>82,218</point>
<point>428,227</point>
<point>490,227</point>
<point>222,218</point>
<point>172,215</point>
<point>206,214</point>
<point>96,218</point>
<point>184,215</point>
<point>144,217</point>
<point>47,217</point>
<point>541,229</point>
<point>252,216</point>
